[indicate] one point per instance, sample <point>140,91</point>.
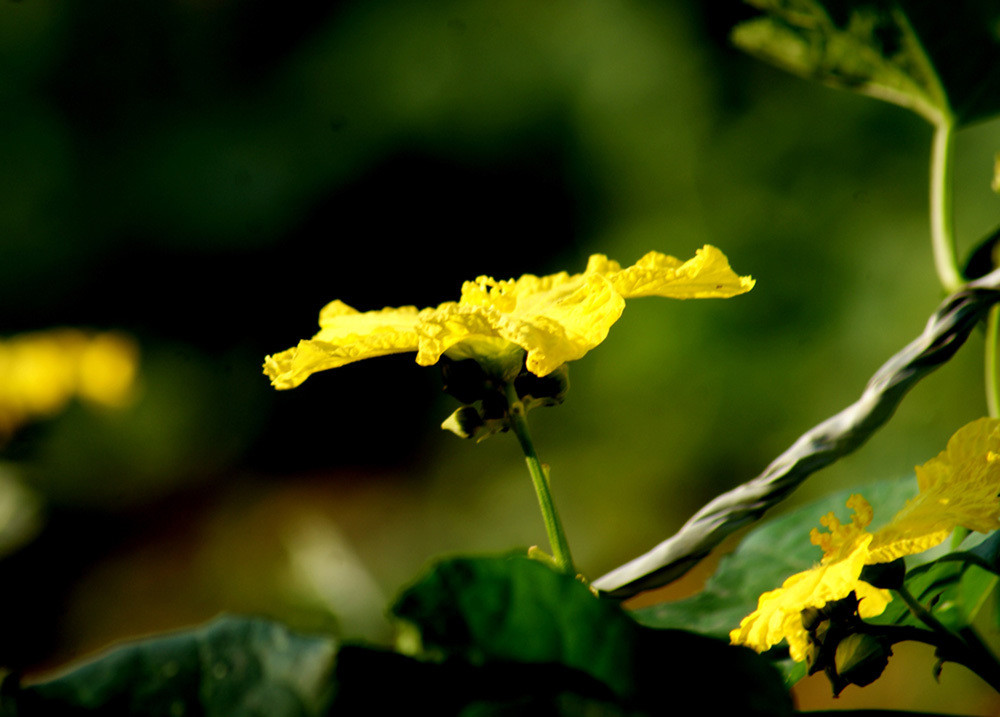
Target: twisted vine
<point>946,330</point>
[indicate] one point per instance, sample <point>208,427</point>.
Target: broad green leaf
<point>515,608</point>
<point>489,611</point>
<point>939,59</point>
<point>231,667</point>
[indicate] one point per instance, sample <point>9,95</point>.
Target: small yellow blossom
<point>40,372</point>
<point>543,320</point>
<point>959,487</point>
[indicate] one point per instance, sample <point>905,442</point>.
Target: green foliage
<point>504,613</point>
<point>516,608</point>
<point>232,667</point>
<point>498,635</point>
<point>942,60</point>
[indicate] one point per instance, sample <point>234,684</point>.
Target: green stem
<point>942,216</point>
<point>923,614</point>
<point>553,527</point>
<point>993,362</point>
<point>965,648</point>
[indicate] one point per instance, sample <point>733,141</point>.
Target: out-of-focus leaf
<point>941,60</point>
<point>20,511</point>
<point>232,667</point>
<point>988,551</point>
<point>512,609</point>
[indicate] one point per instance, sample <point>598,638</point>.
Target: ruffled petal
<point>707,275</point>
<point>779,612</point>
<point>958,487</point>
<point>346,335</point>
<point>552,319</point>
<point>461,331</point>
<point>964,455</point>
<point>841,537</point>
<point>564,322</point>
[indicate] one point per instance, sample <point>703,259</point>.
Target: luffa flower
<point>41,372</point>
<point>959,487</point>
<point>538,322</point>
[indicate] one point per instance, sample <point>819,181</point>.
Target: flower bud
<point>549,390</point>
<point>464,422</point>
<point>860,659</point>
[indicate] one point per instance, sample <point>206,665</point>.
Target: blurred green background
<point>207,175</point>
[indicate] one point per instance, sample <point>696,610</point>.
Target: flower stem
<point>921,613</point>
<point>539,478</point>
<point>942,217</point>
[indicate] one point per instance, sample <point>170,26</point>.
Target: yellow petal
<point>554,319</point>
<point>706,275</point>
<point>565,321</point>
<point>840,537</point>
<point>958,487</point>
<point>779,612</point>
<point>346,335</point>
<point>963,460</point>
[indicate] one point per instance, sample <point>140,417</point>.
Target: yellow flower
<point>41,371</point>
<point>545,320</point>
<point>959,487</point>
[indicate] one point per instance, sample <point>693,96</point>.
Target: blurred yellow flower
<point>959,487</point>
<point>552,319</point>
<point>41,372</point>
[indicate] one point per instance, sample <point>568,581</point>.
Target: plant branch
<point>941,213</point>
<point>964,648</point>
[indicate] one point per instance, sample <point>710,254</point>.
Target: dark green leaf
<point>232,667</point>
<point>485,611</point>
<point>942,60</point>
<point>375,682</point>
<point>513,608</point>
